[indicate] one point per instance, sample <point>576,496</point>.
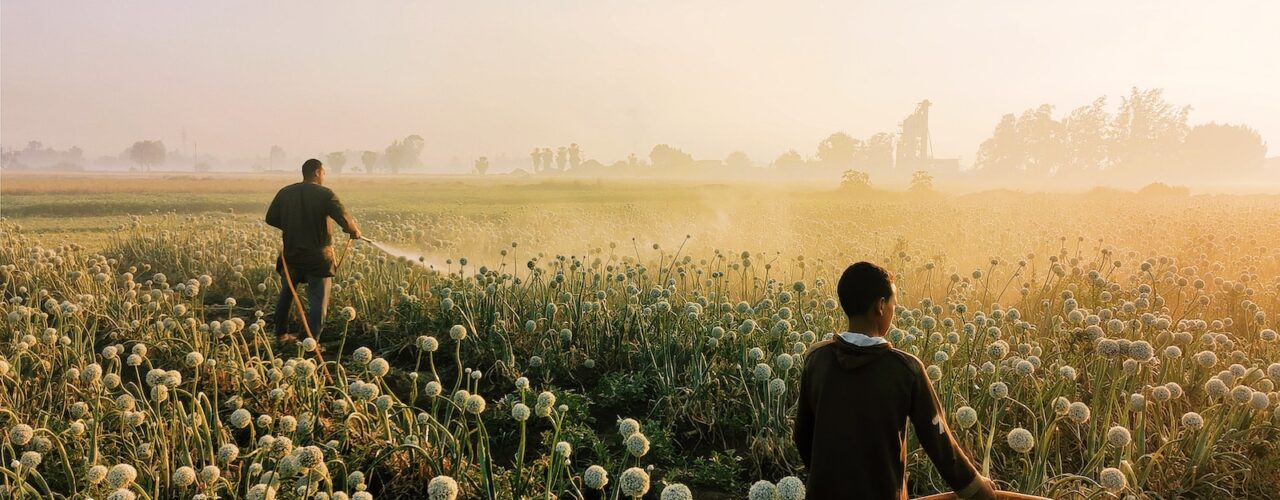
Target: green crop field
<point>602,339</point>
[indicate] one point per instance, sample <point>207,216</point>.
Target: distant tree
<point>838,149</point>
<point>1148,132</point>
<point>202,167</point>
<point>562,157</point>
<point>335,161</point>
<point>664,156</point>
<point>876,153</point>
<point>633,161</point>
<point>147,154</point>
<point>404,153</point>
<point>789,159</point>
<point>276,157</point>
<point>369,159</point>
<point>855,180</point>
<point>921,181</point>
<point>1226,149</point>
<point>1162,189</point>
<point>1086,135</point>
<point>1003,152</point>
<point>547,157</point>
<point>1041,138</point>
<point>536,157</point>
<point>481,165</point>
<point>575,156</point>
<point>738,160</point>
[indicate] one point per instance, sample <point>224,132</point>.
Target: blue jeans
<point>318,303</point>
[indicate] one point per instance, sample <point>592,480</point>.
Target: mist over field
<point>573,249</point>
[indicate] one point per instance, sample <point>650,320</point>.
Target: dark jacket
<point>302,212</point>
<point>851,427</point>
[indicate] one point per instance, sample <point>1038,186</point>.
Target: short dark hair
<point>861,285</point>
<point>310,167</point>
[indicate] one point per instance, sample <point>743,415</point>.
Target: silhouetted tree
<point>369,159</point>
<point>1003,152</point>
<point>482,165</point>
<point>405,153</point>
<point>921,181</point>
<point>575,156</point>
<point>547,158</point>
<point>1087,134</point>
<point>789,159</point>
<point>1148,132</point>
<point>664,156</point>
<point>875,154</point>
<point>855,180</point>
<point>1041,139</point>
<point>147,154</point>
<point>276,156</point>
<point>535,157</point>
<point>562,157</point>
<point>737,159</point>
<point>335,161</point>
<point>1224,149</point>
<point>838,150</point>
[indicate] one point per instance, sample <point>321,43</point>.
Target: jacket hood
<point>852,357</point>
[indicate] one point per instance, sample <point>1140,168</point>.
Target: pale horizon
<point>500,78</point>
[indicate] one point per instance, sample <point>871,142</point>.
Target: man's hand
<point>355,235</point>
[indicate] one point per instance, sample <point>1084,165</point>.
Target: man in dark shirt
<point>302,212</point>
<point>857,393</point>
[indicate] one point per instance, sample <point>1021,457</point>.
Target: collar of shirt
<point>859,339</point>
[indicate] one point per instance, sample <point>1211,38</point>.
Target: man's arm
<point>935,437</point>
<point>339,213</point>
<point>273,212</point>
<point>803,433</point>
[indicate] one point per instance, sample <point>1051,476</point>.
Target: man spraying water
<point>302,212</point>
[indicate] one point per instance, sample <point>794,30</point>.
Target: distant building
<point>914,149</point>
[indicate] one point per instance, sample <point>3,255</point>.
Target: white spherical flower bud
<point>520,412</point>
<point>184,476</point>
<point>676,491</point>
<point>595,477</point>
<point>628,426</point>
<point>637,444</point>
<point>1118,436</point>
<point>379,367</point>
<point>966,416</point>
<point>428,343</point>
<point>1021,440</point>
<point>1078,412</point>
<point>362,356</point>
<point>762,490</point>
<point>791,488</point>
<point>474,404</point>
<point>458,332</point>
<point>634,482</point>
<point>1112,479</point>
<point>121,475</point>
<point>21,434</point>
<point>1192,420</point>
<point>442,488</point>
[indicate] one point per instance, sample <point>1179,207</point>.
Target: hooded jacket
<point>851,425</point>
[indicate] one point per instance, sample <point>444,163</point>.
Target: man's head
<point>313,171</point>
<point>867,295</point>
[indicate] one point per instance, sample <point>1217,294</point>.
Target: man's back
<point>302,211</point>
<point>851,426</point>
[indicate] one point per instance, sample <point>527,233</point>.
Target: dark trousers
<point>317,296</point>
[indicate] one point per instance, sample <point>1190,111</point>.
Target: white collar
<point>859,339</point>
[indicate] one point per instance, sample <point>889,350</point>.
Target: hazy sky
<point>488,77</point>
